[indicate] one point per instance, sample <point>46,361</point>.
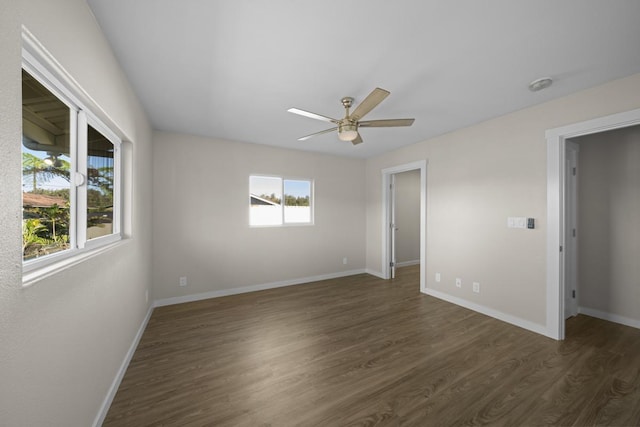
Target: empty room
<point>294,213</point>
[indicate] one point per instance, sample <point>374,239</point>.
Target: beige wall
<point>63,339</point>
<point>608,215</point>
<point>201,216</point>
<point>476,178</point>
<point>407,193</point>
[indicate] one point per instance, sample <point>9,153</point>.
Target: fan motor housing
<point>347,125</point>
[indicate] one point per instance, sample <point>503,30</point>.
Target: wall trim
<point>106,403</point>
<point>516,321</point>
<point>253,288</point>
<point>609,316</point>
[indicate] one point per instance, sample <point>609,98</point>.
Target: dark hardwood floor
<point>363,351</point>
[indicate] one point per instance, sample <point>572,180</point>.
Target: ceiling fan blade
<point>385,123</point>
<point>304,138</point>
<point>369,103</point>
<point>358,140</point>
<point>312,115</point>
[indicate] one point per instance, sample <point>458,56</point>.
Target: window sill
<point>289,224</point>
<point>32,277</point>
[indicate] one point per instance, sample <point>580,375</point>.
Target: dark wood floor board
<point>365,351</point>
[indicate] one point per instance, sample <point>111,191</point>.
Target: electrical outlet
<point>344,260</point>
<point>459,283</point>
<point>183,281</point>
<point>437,277</point>
<point>476,287</point>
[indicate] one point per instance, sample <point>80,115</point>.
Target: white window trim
<point>312,202</point>
<point>39,63</point>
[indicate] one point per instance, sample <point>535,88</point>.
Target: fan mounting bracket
<point>347,101</point>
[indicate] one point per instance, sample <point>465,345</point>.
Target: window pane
<point>46,166</point>
<point>297,201</point>
<point>266,197</point>
<point>100,174</point>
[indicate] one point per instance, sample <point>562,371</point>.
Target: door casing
<point>386,217</point>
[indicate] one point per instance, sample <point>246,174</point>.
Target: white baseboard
<point>522,323</point>
<point>375,273</point>
<point>407,263</point>
<point>610,317</point>
<point>253,288</point>
<point>106,404</point>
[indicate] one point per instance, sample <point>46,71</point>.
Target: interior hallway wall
<point>608,222</point>
<point>407,193</point>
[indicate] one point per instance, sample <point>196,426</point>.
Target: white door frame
<point>556,161</point>
<point>420,165</point>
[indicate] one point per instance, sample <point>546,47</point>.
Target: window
<point>278,201</point>
<point>70,172</point>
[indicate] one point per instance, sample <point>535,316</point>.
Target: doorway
<point>389,226</point>
<point>571,230</point>
<point>405,217</point>
<point>557,206</point>
<point>603,254</point>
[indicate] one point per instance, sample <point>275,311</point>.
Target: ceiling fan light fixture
<point>348,126</point>
<point>347,131</point>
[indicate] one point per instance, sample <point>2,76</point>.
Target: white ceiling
<point>230,69</point>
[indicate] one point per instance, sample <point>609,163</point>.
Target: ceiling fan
<point>348,126</point>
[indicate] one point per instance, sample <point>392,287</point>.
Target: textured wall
<point>476,178</point>
<point>64,337</point>
<point>608,227</point>
<point>201,216</point>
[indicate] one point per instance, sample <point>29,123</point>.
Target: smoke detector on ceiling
<point>540,84</point>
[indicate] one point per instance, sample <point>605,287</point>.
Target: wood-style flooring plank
<point>361,351</point>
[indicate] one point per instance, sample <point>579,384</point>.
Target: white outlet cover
<point>459,283</point>
<point>516,222</point>
<point>476,287</point>
<point>437,277</point>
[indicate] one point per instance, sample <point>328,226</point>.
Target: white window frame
<point>39,64</point>
<point>282,180</point>
<point>86,119</point>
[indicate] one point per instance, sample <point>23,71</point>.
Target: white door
<point>571,231</point>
